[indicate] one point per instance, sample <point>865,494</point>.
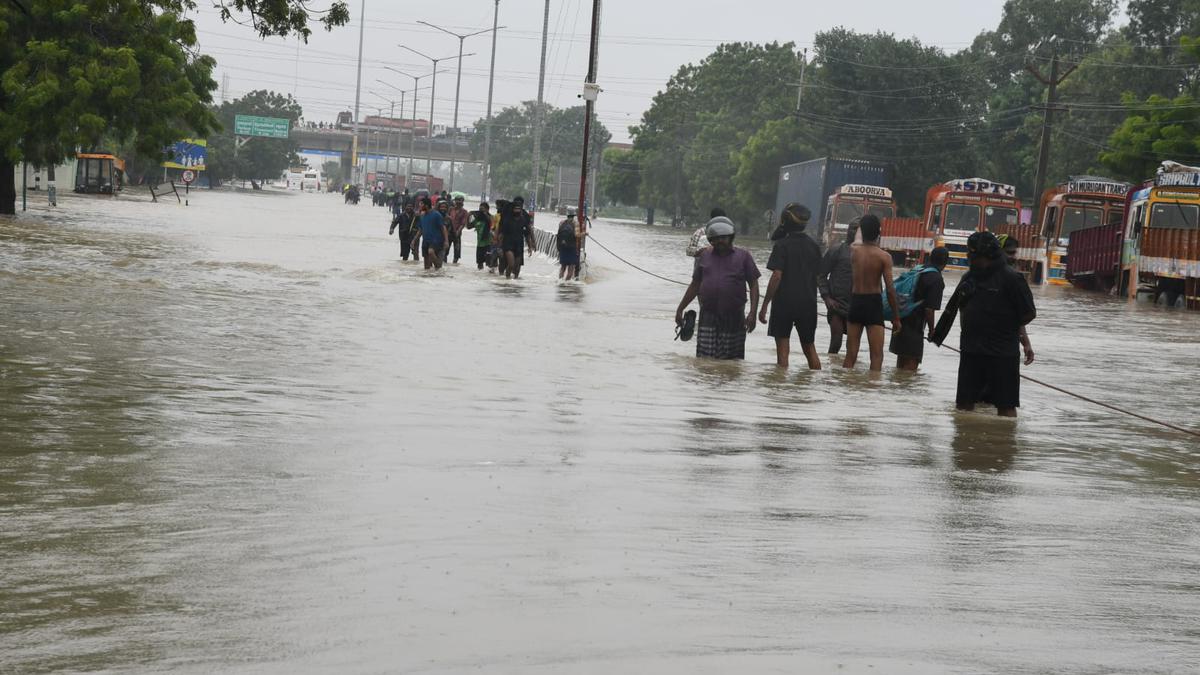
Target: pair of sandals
<point>688,328</point>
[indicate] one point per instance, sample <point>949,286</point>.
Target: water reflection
<point>987,444</point>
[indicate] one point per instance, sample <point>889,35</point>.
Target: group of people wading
<point>854,281</point>
<point>435,231</point>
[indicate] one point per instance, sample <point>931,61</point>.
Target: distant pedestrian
<point>433,234</point>
<point>516,234</point>
<point>481,222</point>
<point>405,221</point>
<point>872,268</point>
<point>794,263</point>
<point>699,240</point>
<point>720,278</point>
<point>835,281</point>
<point>909,344</point>
<point>457,222</point>
<point>995,302</point>
<point>568,246</point>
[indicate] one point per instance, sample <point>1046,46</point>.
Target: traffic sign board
<point>265,127</point>
<point>189,176</point>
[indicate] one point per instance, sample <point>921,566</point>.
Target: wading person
<point>443,207</point>
<point>836,283</point>
<point>457,222</point>
<point>699,240</point>
<point>404,221</point>
<point>909,344</point>
<point>995,302</point>
<point>1011,245</point>
<point>481,222</point>
<point>516,233</point>
<point>433,234</point>
<point>872,270</point>
<point>568,247</point>
<point>720,278</point>
<point>794,263</point>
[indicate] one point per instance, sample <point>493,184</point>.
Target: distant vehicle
<point>850,202</point>
<point>1158,249</point>
<point>1081,203</point>
<point>958,208</point>
<point>311,181</point>
<point>293,178</point>
<point>816,182</point>
<point>99,173</point>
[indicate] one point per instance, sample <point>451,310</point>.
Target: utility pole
<point>1048,109</point>
<point>362,22</point>
<point>590,92</point>
<point>537,113</point>
<point>487,133</point>
<point>800,84</point>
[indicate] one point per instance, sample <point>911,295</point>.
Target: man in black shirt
<point>795,261</point>
<point>909,344</point>
<point>516,232</point>
<point>996,303</point>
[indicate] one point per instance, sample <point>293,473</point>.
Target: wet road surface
<point>242,436</point>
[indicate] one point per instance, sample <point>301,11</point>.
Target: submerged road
<point>242,436</point>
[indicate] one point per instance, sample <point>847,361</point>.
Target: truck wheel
<point>1174,299</point>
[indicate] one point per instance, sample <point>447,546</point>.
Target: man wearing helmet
<point>995,303</point>
<point>720,278</point>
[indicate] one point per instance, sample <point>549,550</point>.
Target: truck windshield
<point>880,211</point>
<point>995,216</point>
<point>962,217</point>
<point>1174,216</point>
<point>1076,218</point>
<point>846,212</point>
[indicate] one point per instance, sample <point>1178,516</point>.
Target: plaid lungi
<point>720,337</point>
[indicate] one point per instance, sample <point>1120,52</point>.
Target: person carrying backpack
<point>568,247</point>
<point>920,293</point>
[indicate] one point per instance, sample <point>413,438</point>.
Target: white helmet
<point>720,227</point>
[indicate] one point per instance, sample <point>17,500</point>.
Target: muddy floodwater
<point>242,436</point>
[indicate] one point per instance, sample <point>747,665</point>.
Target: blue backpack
<point>906,285</point>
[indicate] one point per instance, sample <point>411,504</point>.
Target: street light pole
<point>487,132</point>
<point>537,114</point>
<point>458,85</point>
<point>432,101</point>
<point>362,22</point>
<point>413,129</point>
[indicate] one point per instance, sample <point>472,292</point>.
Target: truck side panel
<point>811,183</point>
<point>1094,255</point>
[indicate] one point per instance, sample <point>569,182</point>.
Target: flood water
<point>242,436</point>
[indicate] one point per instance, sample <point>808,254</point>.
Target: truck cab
<point>958,208</point>
<point>1161,248</point>
<point>851,202</point>
<point>1083,202</point>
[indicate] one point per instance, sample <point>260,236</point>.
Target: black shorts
<point>784,318</point>
<point>481,254</point>
<point>989,379</point>
<point>911,340</point>
<point>866,309</point>
<point>518,253</point>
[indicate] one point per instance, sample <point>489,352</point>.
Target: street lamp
<point>487,132</point>
<point>391,118</point>
<point>413,131</point>
<point>458,85</point>
<point>432,100</point>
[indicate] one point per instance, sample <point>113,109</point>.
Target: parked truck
<point>818,184</point>
<point>1158,250</point>
<point>956,209</point>
<point>1081,203</point>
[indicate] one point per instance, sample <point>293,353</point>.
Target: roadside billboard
<point>190,153</point>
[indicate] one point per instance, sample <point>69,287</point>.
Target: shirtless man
<point>872,268</point>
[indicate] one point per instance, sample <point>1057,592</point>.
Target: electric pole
<point>1052,82</point>
<point>487,132</point>
<point>538,118</point>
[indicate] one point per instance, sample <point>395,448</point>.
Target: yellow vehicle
<point>1161,248</point>
<point>98,172</point>
<point>1081,203</point>
<point>958,208</point>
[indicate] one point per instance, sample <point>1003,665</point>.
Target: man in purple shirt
<point>720,278</point>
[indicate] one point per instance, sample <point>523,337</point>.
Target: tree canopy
<point>259,158</point>
<point>77,73</point>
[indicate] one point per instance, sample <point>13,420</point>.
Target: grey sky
<point>643,43</point>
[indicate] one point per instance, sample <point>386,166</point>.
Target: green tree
<point>776,144</point>
<point>334,172</point>
<point>258,158</point>
<point>75,73</point>
<point>621,176</point>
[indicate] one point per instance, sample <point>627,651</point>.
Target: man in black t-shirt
<point>996,303</point>
<point>909,344</point>
<point>516,233</point>
<point>794,263</point>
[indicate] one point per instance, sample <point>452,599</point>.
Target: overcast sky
<point>643,43</point>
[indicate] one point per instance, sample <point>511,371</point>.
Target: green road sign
<point>266,127</point>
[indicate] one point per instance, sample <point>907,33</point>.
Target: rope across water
<point>1081,397</point>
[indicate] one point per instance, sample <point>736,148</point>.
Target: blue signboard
<point>190,153</point>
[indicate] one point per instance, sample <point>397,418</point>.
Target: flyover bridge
<point>380,144</point>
